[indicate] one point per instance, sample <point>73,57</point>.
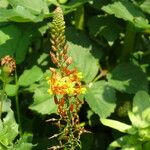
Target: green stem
<point>17,104</point>
<point>128,42</point>
<point>79,17</point>
<point>1,105</point>
<point>69,124</point>
<point>97,78</point>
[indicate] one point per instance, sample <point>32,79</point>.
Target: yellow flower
<point>67,84</point>
<point>80,75</point>
<point>83,90</point>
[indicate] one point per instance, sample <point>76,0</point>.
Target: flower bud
<point>52,70</point>
<point>54,59</point>
<point>69,60</point>
<point>8,64</point>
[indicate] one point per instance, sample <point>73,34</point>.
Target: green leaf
<point>3,3</point>
<point>15,42</point>
<point>80,38</point>
<point>122,127</point>
<point>146,6</point>
<point>140,115</point>
<point>3,37</point>
<point>19,14</point>
<point>6,104</point>
<point>127,143</point>
<point>25,11</point>
<point>101,98</point>
<point>8,129</point>
<point>35,6</point>
<point>74,4</point>
<point>30,76</point>
<point>100,25</point>
<point>127,77</point>
<point>41,60</point>
<point>43,102</point>
<point>141,103</point>
<point>146,145</point>
<point>24,143</point>
<point>11,89</point>
<point>15,39</point>
<point>127,11</point>
<point>84,62</point>
<point>144,134</point>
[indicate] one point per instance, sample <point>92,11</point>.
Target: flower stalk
<point>65,84</point>
<point>8,66</point>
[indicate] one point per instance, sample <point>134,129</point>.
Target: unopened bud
<point>65,49</point>
<point>52,70</point>
<point>54,59</point>
<point>65,57</point>
<point>52,41</point>
<point>54,48</point>
<point>71,107</point>
<point>55,99</point>
<point>69,61</point>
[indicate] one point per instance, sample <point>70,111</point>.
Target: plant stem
<point>128,42</point>
<point>69,124</point>
<point>79,17</point>
<point>17,104</point>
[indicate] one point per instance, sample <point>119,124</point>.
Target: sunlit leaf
<point>43,102</point>
<point>8,128</point>
<point>84,61</point>
<point>11,89</point>
<point>30,76</point>
<point>146,6</point>
<point>122,127</point>
<point>127,11</point>
<point>101,98</point>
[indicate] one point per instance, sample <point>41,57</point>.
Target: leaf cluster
<point>109,43</point>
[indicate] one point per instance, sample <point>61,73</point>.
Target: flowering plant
<point>65,83</point>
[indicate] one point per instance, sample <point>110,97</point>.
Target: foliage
<point>109,42</point>
<point>138,133</point>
